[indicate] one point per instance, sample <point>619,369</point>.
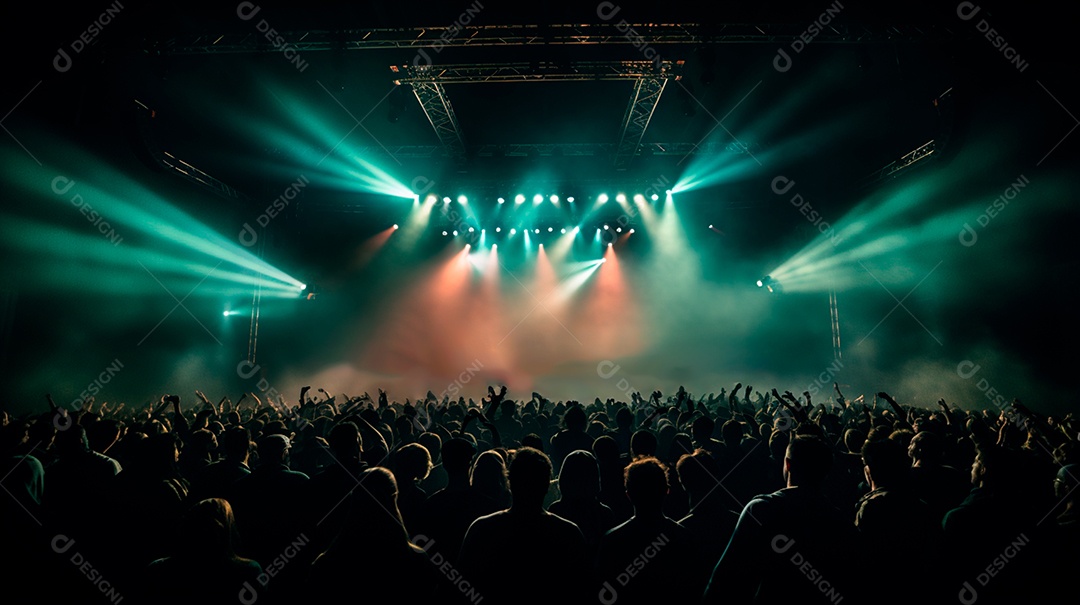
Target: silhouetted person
<point>579,486</point>
<point>447,514</point>
<point>649,558</point>
<point>219,479</point>
<point>203,567</point>
<point>525,552</point>
<point>373,555</point>
<point>332,485</point>
<point>273,511</point>
<point>573,436</point>
<point>896,528</point>
<point>412,463</point>
<point>778,533</point>
<point>710,522</point>
<point>612,488</point>
<point>489,485</point>
<point>942,487</point>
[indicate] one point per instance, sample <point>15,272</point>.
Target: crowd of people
<point>737,497</point>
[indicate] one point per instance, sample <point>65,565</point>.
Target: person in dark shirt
<point>525,551</point>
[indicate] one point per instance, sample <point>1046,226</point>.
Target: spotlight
<point>444,234</point>
<point>431,198</point>
<point>538,198</point>
<point>455,232</point>
<point>446,200</point>
<point>471,229</point>
<point>655,197</point>
<point>631,231</point>
<point>563,230</point>
<point>498,229</point>
<point>609,244</point>
<point>550,229</point>
<point>519,199</point>
<point>501,200</point>
<point>605,227</point>
<point>768,283</point>
<point>303,287</point>
<point>396,226</point>
<point>513,231</point>
<point>468,246</point>
<point>226,313</point>
<point>577,229</point>
<point>639,199</point>
<point>711,227</point>
<point>541,246</point>
<point>554,199</point>
<point>621,198</point>
<point>494,246</point>
<point>618,229</point>
<point>462,199</point>
<point>483,231</point>
<point>537,231</point>
<point>603,198</point>
<point>570,200</point>
<point>603,260</point>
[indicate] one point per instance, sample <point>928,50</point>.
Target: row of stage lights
<point>513,231</point>
<point>554,199</point>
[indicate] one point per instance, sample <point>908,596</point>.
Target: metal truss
<point>611,33</point>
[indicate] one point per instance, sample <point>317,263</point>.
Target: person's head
<point>702,429</point>
<point>433,443</point>
<point>926,448</point>
<point>236,443</point>
<point>994,466</point>
<point>643,443</point>
<point>533,440</point>
<point>412,463</point>
<point>457,456</point>
<point>698,473</point>
<point>731,432</point>
<point>345,441</point>
<point>579,477</point>
<point>606,450</point>
<point>646,485</point>
<point>530,477</point>
<point>575,418</point>
<point>1065,483</point>
<point>885,464</point>
<point>208,530</point>
<point>489,474</point>
<point>274,449</point>
<point>201,444</point>
<point>854,439</point>
<point>807,462</point>
<point>624,418</point>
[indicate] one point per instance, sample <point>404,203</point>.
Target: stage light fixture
<point>519,199</point>
<point>603,198</point>
<point>554,199</point>
<point>501,200</point>
<point>538,198</point>
<point>462,199</point>
<point>570,200</point>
